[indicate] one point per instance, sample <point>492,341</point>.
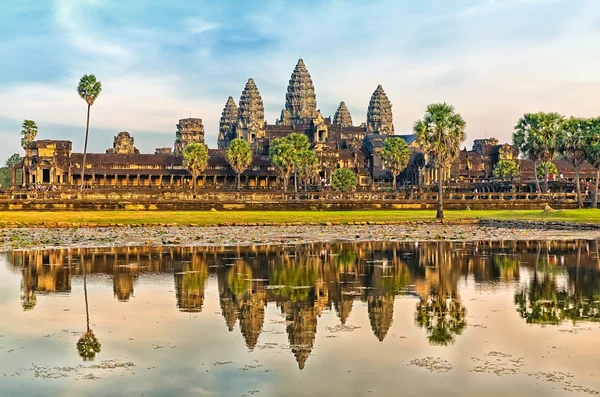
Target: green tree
<point>283,157</point>
<point>395,155</point>
<point>239,157</point>
<point>300,143</point>
<point>308,165</point>
<point>592,152</point>
<point>195,158</point>
<point>29,131</point>
<point>14,160</point>
<point>544,167</point>
<point>507,169</point>
<point>343,179</point>
<point>551,126</point>
<point>571,145</point>
<point>88,89</point>
<point>523,139</point>
<point>439,134</point>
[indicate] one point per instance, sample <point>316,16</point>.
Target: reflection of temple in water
<point>305,280</point>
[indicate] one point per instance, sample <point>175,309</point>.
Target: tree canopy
<point>283,157</point>
<point>195,158</point>
<point>29,131</point>
<point>89,88</point>
<point>343,179</point>
<point>506,169</point>
<point>239,157</point>
<point>395,155</point>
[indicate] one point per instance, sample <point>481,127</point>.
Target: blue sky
<point>159,61</point>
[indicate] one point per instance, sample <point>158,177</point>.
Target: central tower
<point>300,99</point>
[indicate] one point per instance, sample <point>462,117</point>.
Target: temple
<point>338,143</point>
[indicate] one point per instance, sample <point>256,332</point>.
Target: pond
<point>339,319</point>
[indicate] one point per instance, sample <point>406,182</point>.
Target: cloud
<point>198,25</point>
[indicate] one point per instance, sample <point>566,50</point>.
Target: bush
<point>343,179</point>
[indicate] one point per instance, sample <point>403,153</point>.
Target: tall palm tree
<point>195,158</point>
<point>88,89</point>
<point>571,145</point>
<point>523,140</point>
<point>546,137</point>
<point>439,134</point>
<point>239,157</point>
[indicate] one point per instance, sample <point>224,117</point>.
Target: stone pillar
<point>171,183</point>
<point>126,180</point>
<point>13,178</point>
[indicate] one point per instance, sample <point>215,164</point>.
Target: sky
<point>160,61</point>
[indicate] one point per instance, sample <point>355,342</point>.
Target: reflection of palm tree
<point>442,313</point>
<point>443,318</point>
<point>88,345</point>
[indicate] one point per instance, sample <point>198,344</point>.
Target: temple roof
<point>379,114</point>
<point>300,99</point>
<point>342,116</point>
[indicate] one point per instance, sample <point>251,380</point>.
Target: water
<point>365,319</point>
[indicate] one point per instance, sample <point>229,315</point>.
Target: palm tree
<point>195,157</point>
<point>439,134</point>
<point>395,155</point>
<point>300,143</point>
<point>571,145</point>
<point>592,152</point>
<point>239,157</point>
<point>29,131</point>
<point>546,137</point>
<point>523,140</point>
<point>308,165</point>
<point>88,89</point>
<point>283,157</point>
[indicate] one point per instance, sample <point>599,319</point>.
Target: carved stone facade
<point>227,124</point>
<point>342,116</point>
<point>123,144</point>
<point>189,131</point>
<point>250,124</point>
<point>300,100</point>
<point>379,114</point>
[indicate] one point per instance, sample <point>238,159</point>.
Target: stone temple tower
<point>300,100</point>
<point>188,131</point>
<point>227,124</point>
<point>342,116</point>
<point>251,114</point>
<point>379,115</point>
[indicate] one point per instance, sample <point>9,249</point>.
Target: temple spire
<point>342,116</point>
<point>251,114</point>
<point>227,124</point>
<point>300,99</point>
<point>379,115</point>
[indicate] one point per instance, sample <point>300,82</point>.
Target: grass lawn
<point>208,218</point>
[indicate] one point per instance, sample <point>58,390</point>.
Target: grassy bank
<point>211,218</point>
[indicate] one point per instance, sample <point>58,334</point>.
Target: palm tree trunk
<point>194,184</point>
<point>595,200</point>
<point>87,129</point>
<point>295,182</point>
<point>394,181</point>
<point>285,176</point>
<point>537,181</point>
<point>238,181</point>
<point>546,175</point>
<point>440,203</point>
<point>578,188</point>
